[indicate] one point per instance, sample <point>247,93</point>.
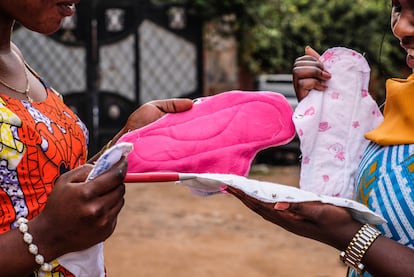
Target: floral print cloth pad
<point>331,125</point>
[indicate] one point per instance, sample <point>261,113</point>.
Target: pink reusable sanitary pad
<point>220,134</point>
<point>331,125</point>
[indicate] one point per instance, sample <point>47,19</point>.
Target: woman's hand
<point>308,74</point>
<point>152,111</point>
<point>333,226</point>
<point>146,114</point>
<point>80,214</point>
<point>322,222</point>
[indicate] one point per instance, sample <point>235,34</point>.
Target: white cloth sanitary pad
<point>209,184</point>
<point>331,125</point>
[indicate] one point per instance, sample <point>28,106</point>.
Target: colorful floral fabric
<point>39,141</point>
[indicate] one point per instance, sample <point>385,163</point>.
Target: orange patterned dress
<point>39,141</point>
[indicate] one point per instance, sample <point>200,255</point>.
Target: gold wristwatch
<point>359,245</point>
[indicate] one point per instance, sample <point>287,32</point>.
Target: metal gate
<point>114,55</point>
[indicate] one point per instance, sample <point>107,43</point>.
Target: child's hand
<point>308,74</point>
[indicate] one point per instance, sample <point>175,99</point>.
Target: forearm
<point>333,226</point>
<point>383,258</point>
<point>387,257</point>
<point>12,246</point>
<point>15,258</point>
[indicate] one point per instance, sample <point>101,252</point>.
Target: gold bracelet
<point>359,245</point>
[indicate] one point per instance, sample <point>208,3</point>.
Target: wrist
<point>44,265</point>
<point>355,251</point>
<point>46,239</point>
<point>345,234</point>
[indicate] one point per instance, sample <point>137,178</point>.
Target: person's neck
<point>6,29</point>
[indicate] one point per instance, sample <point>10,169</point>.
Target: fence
<point>113,56</point>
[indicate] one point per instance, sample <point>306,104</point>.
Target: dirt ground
<point>164,230</point>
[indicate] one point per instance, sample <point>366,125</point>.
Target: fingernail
<point>327,74</point>
<point>281,206</point>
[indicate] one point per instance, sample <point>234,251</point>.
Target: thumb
<point>311,52</point>
<point>173,105</point>
<point>295,210</point>
<point>78,174</point>
<point>282,206</point>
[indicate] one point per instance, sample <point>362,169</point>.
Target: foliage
<point>272,33</point>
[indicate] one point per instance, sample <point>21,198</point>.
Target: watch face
<point>111,21</point>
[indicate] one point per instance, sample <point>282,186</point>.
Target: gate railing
<point>113,56</point>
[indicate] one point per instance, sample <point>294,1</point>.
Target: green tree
<point>273,33</point>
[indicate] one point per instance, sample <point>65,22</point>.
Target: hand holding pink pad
<point>220,134</point>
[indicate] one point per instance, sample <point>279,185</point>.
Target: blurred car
<point>282,83</point>
<point>288,153</point>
